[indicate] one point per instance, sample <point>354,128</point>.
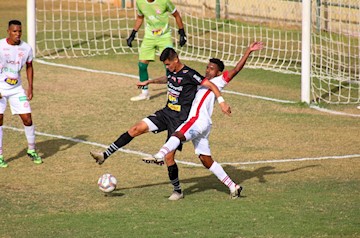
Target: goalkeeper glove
<point>182,37</point>
<point>131,38</point>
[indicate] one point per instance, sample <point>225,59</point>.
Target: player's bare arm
<point>225,108</point>
<point>30,77</point>
<point>139,21</point>
<point>160,80</point>
<point>257,45</point>
<point>178,20</point>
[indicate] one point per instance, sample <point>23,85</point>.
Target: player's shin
<point>220,173</point>
<point>171,145</point>
<point>123,140</point>
<point>30,136</point>
<point>143,74</point>
<point>173,172</point>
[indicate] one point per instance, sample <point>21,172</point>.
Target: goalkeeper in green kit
<point>157,35</point>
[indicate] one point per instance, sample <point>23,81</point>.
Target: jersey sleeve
<point>170,7</point>
<point>30,56</point>
<point>138,10</point>
<point>226,76</point>
<point>196,77</point>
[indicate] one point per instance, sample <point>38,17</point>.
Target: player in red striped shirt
<point>198,125</point>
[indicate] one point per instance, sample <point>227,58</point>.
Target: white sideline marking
<point>225,91</point>
<point>189,163</point>
<point>258,97</point>
<point>86,69</point>
<point>333,112</point>
<point>79,141</point>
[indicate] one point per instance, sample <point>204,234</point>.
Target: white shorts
<point>198,132</point>
<point>19,104</point>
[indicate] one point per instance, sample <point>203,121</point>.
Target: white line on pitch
<point>189,163</point>
<point>225,91</point>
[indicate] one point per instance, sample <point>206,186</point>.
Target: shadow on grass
<point>48,148</point>
<point>158,94</point>
<point>209,182</point>
<point>115,193</point>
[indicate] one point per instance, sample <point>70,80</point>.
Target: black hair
<point>218,62</point>
<point>15,22</point>
<point>168,54</point>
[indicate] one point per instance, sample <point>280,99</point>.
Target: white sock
<point>1,140</point>
<point>145,91</point>
<point>171,145</point>
<point>30,136</point>
<point>222,175</point>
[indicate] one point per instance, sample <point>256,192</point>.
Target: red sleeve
<point>226,76</point>
<point>205,79</point>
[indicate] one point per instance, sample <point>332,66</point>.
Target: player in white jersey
<point>198,125</point>
<point>14,54</point>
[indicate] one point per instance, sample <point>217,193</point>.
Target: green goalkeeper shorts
<point>152,43</point>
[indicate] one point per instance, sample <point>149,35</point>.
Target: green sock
<point>143,73</point>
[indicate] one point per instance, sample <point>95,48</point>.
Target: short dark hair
<point>168,54</point>
<point>15,22</point>
<point>218,62</point>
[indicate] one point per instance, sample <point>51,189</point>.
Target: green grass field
<point>283,154</point>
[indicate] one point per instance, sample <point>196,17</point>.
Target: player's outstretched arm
<point>257,45</point>
<point>160,80</point>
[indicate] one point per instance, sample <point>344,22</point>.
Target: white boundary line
<point>333,112</point>
<point>127,151</point>
<point>259,97</point>
<point>184,162</point>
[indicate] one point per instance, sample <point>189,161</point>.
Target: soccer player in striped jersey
<point>198,125</point>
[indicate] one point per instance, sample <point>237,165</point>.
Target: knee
<point>27,121</point>
<point>142,66</point>
<point>170,159</point>
<point>206,160</point>
<point>179,135</point>
<point>138,129</point>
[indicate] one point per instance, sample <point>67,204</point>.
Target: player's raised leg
<point>138,129</point>
<point>171,144</point>
<point>123,140</point>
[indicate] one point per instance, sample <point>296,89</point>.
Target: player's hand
<point>257,45</point>
<point>225,108</point>
<point>142,84</point>
<point>183,39</point>
<point>131,38</point>
<point>29,94</point>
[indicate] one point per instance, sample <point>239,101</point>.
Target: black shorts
<point>165,121</point>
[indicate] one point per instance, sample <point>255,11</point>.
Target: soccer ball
<point>107,183</point>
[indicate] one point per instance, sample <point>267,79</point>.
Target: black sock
<point>174,177</point>
<point>124,139</point>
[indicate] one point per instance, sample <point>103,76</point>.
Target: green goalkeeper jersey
<point>156,15</point>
